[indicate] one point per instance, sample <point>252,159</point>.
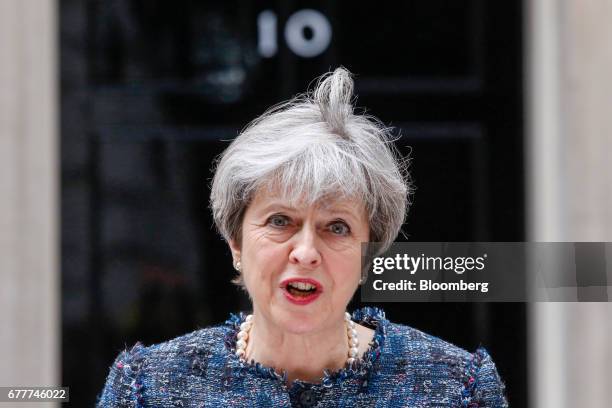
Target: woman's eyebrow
<point>343,212</point>
<point>276,206</point>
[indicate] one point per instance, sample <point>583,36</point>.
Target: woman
<point>295,195</point>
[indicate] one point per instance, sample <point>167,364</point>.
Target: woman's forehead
<point>272,199</point>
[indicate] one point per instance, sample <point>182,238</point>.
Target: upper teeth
<point>302,285</point>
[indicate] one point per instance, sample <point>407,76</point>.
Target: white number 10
<point>294,33</point>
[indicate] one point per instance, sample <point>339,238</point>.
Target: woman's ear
<point>235,248</point>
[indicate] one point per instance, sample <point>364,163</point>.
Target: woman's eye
<point>339,228</point>
<point>278,221</point>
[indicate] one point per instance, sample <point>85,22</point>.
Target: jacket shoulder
<point>206,341</point>
<point>178,357</point>
<point>437,362</point>
<point>423,347</point>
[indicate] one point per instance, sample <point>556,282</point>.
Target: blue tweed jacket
<point>403,367</point>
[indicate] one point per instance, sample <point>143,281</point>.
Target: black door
<point>151,91</point>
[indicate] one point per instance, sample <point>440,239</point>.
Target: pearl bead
<point>241,344</point>
<point>353,340</point>
<point>240,353</point>
<point>243,335</point>
<point>246,326</point>
<point>347,316</point>
<point>249,318</point>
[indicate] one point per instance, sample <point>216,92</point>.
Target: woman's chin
<point>299,322</point>
<point>294,327</point>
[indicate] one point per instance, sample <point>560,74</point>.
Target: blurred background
<point>113,111</point>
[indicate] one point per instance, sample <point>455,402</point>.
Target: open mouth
<point>301,289</point>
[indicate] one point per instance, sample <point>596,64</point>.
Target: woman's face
<point>318,245</point>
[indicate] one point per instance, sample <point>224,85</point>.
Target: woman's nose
<point>305,251</point>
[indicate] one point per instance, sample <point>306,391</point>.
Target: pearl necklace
<point>353,340</point>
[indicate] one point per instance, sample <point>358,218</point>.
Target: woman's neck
<point>302,356</point>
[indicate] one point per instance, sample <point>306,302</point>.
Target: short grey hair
<point>313,147</point>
